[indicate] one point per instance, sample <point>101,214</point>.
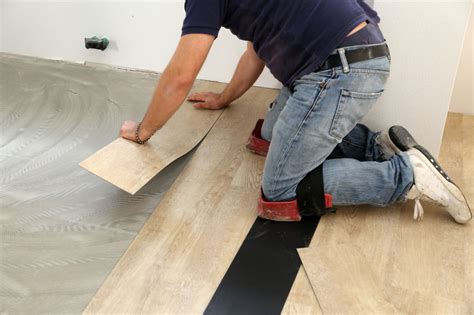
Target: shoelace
<point>418,210</point>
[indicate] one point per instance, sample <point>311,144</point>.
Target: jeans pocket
<point>350,110</point>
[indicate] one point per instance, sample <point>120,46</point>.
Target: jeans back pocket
<point>350,110</point>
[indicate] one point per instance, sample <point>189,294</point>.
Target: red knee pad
<point>284,210</point>
<point>278,211</point>
<point>256,143</point>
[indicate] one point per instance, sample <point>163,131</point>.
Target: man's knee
<point>270,193</point>
<point>308,192</point>
<point>275,189</point>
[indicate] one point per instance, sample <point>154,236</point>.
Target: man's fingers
<point>202,105</point>
<point>197,97</point>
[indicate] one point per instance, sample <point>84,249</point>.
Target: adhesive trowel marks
<point>62,230</point>
<point>130,166</point>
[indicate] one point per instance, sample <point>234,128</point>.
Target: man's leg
<point>274,112</point>
<point>361,143</point>
<point>351,182</point>
<point>323,109</point>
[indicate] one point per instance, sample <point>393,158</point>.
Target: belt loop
<point>345,64</point>
<point>291,87</point>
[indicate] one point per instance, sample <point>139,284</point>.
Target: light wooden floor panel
<point>301,299</point>
<point>181,254</point>
<point>130,166</point>
<point>345,281</point>
<point>423,267</point>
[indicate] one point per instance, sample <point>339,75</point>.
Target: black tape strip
<point>261,275</point>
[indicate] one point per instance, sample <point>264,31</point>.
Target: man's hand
<point>247,72</point>
<point>128,130</point>
<point>207,100</point>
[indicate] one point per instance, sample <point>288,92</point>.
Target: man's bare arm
<point>247,72</point>
<point>175,83</point>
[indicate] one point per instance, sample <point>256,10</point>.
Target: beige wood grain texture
<point>301,299</point>
<point>183,251</point>
<point>345,280</point>
<point>130,166</point>
<point>423,267</point>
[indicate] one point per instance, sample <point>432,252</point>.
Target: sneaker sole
<point>429,160</point>
<point>402,139</point>
<point>405,141</point>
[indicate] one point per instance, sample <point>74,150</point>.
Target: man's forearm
<point>169,95</point>
<point>176,81</point>
<point>247,72</point>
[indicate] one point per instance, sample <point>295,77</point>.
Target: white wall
<point>425,38</point>
<point>1,25</point>
<point>463,94</point>
<point>143,34</point>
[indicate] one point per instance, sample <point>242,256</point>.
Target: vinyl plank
<point>409,301</point>
<point>301,299</point>
<point>345,281</point>
<point>130,166</point>
<point>181,254</point>
<point>342,227</point>
<point>468,181</point>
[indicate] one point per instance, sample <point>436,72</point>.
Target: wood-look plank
<point>183,251</point>
<point>336,229</point>
<point>130,166</point>
<point>468,185</point>
<point>409,301</point>
<point>301,299</point>
<point>422,266</point>
<point>345,280</point>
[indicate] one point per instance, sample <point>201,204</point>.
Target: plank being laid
<point>422,267</point>
<point>130,166</point>
<point>183,251</point>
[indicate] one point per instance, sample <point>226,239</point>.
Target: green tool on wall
<point>96,42</point>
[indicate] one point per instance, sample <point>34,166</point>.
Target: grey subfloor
<point>63,229</point>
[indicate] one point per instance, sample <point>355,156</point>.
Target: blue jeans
<point>318,123</point>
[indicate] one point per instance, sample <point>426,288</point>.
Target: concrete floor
<point>63,229</point>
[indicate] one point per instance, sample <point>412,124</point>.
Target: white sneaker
<point>434,185</point>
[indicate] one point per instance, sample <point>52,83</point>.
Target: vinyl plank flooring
<point>301,299</point>
<point>181,254</point>
<point>344,280</point>
<point>130,166</point>
<point>341,228</point>
<point>421,266</point>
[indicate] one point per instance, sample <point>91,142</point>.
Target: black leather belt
<point>356,55</point>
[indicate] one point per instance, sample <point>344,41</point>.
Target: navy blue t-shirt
<point>292,37</point>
